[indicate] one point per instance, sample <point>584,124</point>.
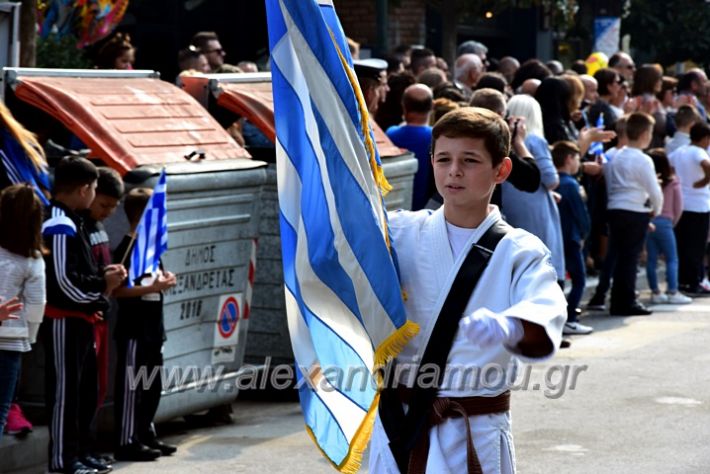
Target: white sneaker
<point>576,328</point>
<point>678,298</point>
<point>705,284</point>
<point>659,298</point>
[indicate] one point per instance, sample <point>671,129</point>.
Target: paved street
<point>641,406</point>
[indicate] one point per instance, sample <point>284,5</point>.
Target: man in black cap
<point>372,76</point>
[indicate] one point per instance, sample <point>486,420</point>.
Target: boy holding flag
<point>139,328</point>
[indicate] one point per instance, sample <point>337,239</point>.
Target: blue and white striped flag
<point>343,297</point>
<point>597,148</point>
<point>19,168</point>
<point>151,234</point>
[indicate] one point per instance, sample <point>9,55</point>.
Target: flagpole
<point>129,248</point>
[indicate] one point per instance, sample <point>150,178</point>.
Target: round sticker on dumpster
<point>228,317</point>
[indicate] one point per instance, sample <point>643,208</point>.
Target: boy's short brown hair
<point>109,183</point>
<point>699,131</point>
<point>620,125</point>
<point>135,202</point>
<point>490,99</point>
<point>73,172</point>
<point>637,124</point>
<point>686,115</point>
<point>475,122</point>
<point>561,150</point>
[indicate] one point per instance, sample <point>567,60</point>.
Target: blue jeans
<point>9,373</point>
<point>662,240</point>
<point>574,264</point>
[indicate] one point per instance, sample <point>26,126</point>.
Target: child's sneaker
<point>659,298</point>
<point>17,424</point>
<point>679,298</point>
<point>576,328</point>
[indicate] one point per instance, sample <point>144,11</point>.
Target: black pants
<point>138,387</point>
<point>627,234</point>
<point>71,388</point>
<point>691,234</point>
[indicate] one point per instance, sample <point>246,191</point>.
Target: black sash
<point>403,430</point>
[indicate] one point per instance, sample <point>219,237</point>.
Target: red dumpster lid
<point>254,100</point>
<point>128,122</point>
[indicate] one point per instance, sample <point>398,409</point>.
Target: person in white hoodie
<point>22,287</point>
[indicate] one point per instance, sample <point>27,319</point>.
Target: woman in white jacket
<point>22,285</point>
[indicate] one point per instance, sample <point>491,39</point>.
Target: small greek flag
<point>597,148</point>
<point>151,234</point>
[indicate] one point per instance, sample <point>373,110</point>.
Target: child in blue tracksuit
<point>575,223</point>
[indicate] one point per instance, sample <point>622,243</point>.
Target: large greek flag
<point>344,303</point>
<point>151,234</point>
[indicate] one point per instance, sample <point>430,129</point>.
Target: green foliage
<point>561,12</point>
<point>61,53</point>
<point>669,30</point>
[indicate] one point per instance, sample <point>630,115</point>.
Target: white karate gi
<point>519,282</point>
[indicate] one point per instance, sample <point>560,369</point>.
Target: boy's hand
<point>163,282</point>
<point>485,329</point>
<point>114,275</point>
<point>9,307</point>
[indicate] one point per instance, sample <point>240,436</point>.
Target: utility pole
<point>28,33</point>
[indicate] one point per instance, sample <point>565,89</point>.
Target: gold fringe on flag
<point>392,346</point>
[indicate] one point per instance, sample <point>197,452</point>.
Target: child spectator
<point>192,59</point>
<point>140,335</point>
<point>21,285</point>
<point>685,118</point>
<point>692,165</point>
<point>23,161</point>
<point>516,308</point>
<point>661,239</point>
<point>634,195</point>
<point>621,139</point>
<point>75,294</point>
<point>599,248</point>
<point>109,191</point>
<point>117,53</point>
<point>575,228</point>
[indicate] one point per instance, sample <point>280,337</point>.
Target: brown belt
<point>460,407</point>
